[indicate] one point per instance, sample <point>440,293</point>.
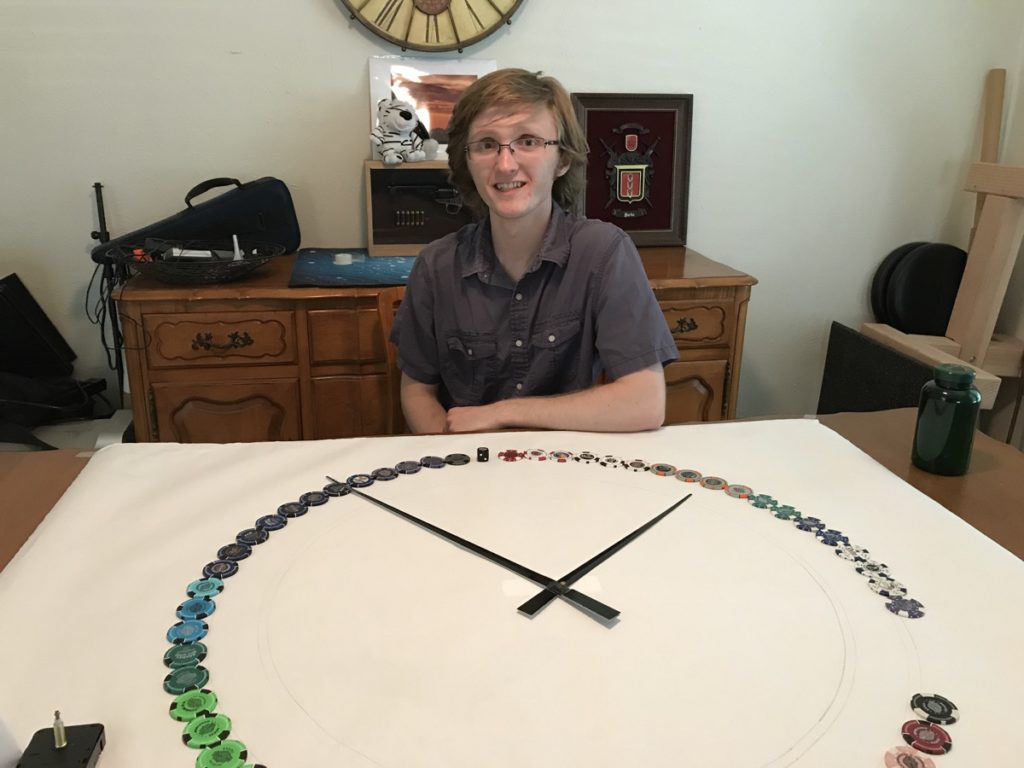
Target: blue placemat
<point>319,267</point>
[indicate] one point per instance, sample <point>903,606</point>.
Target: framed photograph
<point>431,85</point>
<point>638,171</point>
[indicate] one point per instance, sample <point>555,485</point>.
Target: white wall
<point>825,134</point>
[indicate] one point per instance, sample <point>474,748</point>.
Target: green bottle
<point>946,419</point>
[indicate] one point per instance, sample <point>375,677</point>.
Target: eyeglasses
<point>489,148</point>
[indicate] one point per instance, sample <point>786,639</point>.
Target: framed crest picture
<point>638,170</point>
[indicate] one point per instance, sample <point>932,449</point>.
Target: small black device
<point>83,744</point>
<point>30,344</point>
<point>483,454</point>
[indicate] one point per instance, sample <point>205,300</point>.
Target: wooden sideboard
<point>257,360</point>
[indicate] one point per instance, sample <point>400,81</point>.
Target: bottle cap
<point>952,375</point>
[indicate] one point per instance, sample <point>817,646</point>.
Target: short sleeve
<point>413,331</point>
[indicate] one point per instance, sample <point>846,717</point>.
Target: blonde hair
<point>516,88</point>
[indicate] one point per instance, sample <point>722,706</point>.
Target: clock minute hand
<point>551,587</point>
<point>533,606</point>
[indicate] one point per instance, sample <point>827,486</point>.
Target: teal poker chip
<point>206,731</point>
<point>689,475</point>
<point>229,754</point>
<point>786,512</point>
<point>185,679</point>
<point>763,501</point>
<point>184,655</point>
<point>187,631</point>
<point>189,705</point>
<point>205,587</point>
<point>713,483</point>
<point>196,608</point>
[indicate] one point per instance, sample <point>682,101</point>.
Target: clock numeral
<point>388,13</point>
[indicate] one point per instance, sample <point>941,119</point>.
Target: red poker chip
<point>905,757</point>
<point>927,737</point>
<point>510,454</point>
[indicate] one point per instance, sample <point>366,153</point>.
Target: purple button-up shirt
<point>584,305</point>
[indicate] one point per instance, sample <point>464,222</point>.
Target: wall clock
<point>432,25</point>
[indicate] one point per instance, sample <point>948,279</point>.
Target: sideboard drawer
<point>699,323</point>
<point>203,339</point>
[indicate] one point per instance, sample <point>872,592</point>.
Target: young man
<point>510,321</point>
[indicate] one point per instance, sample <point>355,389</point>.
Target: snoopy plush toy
<point>399,135</point>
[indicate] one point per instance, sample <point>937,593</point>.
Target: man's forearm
<point>423,413</point>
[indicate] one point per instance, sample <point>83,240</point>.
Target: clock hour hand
<point>532,606</point>
<point>551,587</point>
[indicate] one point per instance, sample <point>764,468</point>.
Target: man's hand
<point>475,418</point>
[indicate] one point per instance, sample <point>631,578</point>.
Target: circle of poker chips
<point>408,467</point>
<point>662,470</point>
<point>808,524</point>
<point>270,523</point>
<point>251,537</point>
<point>221,569</point>
<point>191,704</point>
<point>187,631</point>
<point>785,512</point>
<point>293,509</point>
<point>872,570</point>
<point>908,608</point>
<point>560,457</point>
<point>314,498</point>
<point>234,552</point>
<point>536,454</point>
<point>196,608</point>
<point>934,708</point>
<point>886,587</point>
<point>206,731</point>
<point>610,461</point>
<point>432,462</point>
<point>926,737</point>
<point>384,473</point>
<point>713,483</point>
<point>340,489</point>
<point>852,552</point>
<point>739,491</point>
<point>359,481</point>
<point>638,465</point>
<point>905,757</point>
<point>511,455</point>
<point>585,457</point>
<point>205,587</point>
<point>456,459</point>
<point>831,537</point>
<point>228,754</point>
<point>184,655</point>
<point>181,679</point>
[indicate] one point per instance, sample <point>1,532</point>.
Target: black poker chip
<point>384,473</point>
<point>408,467</point>
<point>456,459</point>
<point>271,523</point>
<point>234,552</point>
<point>251,536</point>
<point>433,462</point>
<point>314,498</point>
<point>221,569</point>
<point>360,481</point>
<point>293,509</point>
<point>934,708</point>
<point>907,607</point>
<point>340,489</point>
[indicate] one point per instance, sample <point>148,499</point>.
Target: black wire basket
<point>182,261</point>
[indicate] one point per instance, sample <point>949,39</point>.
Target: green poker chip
<point>229,754</point>
<point>185,679</point>
<point>191,704</point>
<point>184,655</point>
<point>786,512</point>
<point>206,731</point>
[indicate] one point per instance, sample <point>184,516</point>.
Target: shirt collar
<point>478,254</point>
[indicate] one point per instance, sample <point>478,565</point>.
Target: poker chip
<point>613,462</point>
<point>191,704</point>
<point>187,631</point>
<point>638,465</point>
<point>206,731</point>
<point>560,457</point>
<point>585,457</point>
<point>234,552</point>
<point>763,501</point>
<point>536,454</point>
<point>852,552</point>
<point>457,459</point>
<point>384,473</point>
<point>205,587</point>
<point>184,679</point>
<point>408,467</point>
<point>713,483</point>
<point>229,754</point>
<point>689,475</point>
<point>432,462</point>
<point>511,455</point>
<point>340,489</point>
<point>871,569</point>
<point>739,491</point>
<point>292,509</point>
<point>887,587</point>
<point>251,537</point>
<point>270,523</point>
<point>221,569</point>
<point>808,523</point>
<point>934,708</point>
<point>831,537</point>
<point>784,512</point>
<point>314,498</point>
<point>184,655</point>
<point>360,481</point>
<point>908,608</point>
<point>905,757</point>
<point>662,470</point>
<point>196,608</point>
<point>926,737</point>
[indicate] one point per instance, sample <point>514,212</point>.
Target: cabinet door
<point>695,390</point>
<point>350,406</point>
<point>227,412</point>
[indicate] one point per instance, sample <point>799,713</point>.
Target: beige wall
<point>825,134</point>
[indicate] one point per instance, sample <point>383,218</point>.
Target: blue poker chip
<point>384,473</point>
<point>293,509</point>
<point>270,523</point>
<point>205,587</point>
<point>432,462</point>
<point>196,608</point>
<point>338,489</point>
<point>808,523</point>
<point>187,631</point>
<point>251,537</point>
<point>408,467</point>
<point>314,498</point>
<point>360,481</point>
<point>906,607</point>
<point>234,552</point>
<point>832,537</point>
<point>222,569</point>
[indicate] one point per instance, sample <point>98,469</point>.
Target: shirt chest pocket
<point>469,364</point>
<point>556,344</point>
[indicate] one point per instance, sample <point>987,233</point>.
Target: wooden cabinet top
<point>668,267</point>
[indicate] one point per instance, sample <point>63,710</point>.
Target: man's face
<point>516,186</point>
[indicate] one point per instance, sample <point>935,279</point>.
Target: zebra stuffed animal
<point>400,135</point>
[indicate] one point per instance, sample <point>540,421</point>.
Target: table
<point>346,636</point>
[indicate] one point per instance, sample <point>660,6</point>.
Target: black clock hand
<point>551,586</point>
<point>532,606</point>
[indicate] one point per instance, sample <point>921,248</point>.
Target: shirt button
<point>551,337</point>
<point>519,386</point>
<point>519,297</point>
<point>469,352</point>
<point>519,342</point>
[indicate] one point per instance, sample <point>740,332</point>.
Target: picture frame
<point>638,169</point>
<point>432,86</point>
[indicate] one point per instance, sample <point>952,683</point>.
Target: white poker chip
<point>585,457</point>
<point>852,552</point>
<point>611,461</point>
<point>637,465</point>
<point>560,457</point>
<point>536,454</point>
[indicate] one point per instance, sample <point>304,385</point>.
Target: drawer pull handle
<point>236,340</point>
<point>685,325</point>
